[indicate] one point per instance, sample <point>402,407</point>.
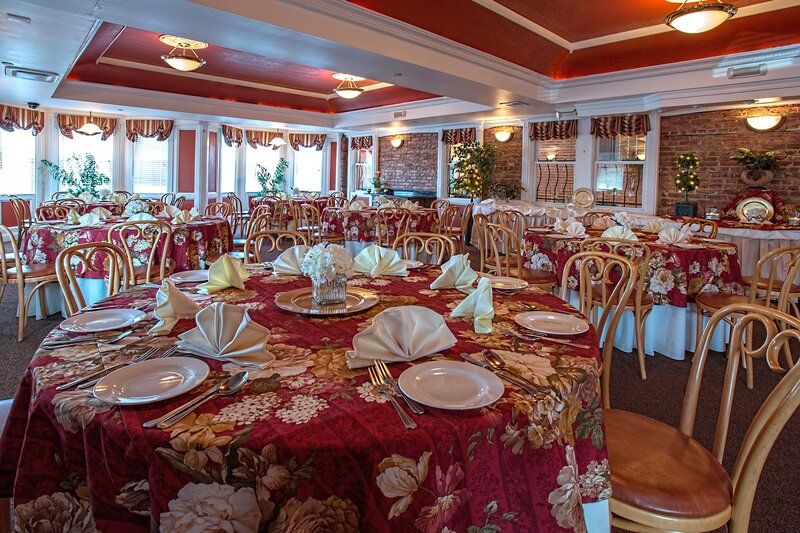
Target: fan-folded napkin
<point>653,225</point>
<point>620,232</point>
<point>400,334</point>
<point>226,272</point>
<point>356,205</point>
<point>288,263</point>
<point>172,210</point>
<point>171,306</point>
<point>673,236</point>
<point>575,230</point>
<point>102,212</point>
<point>456,274</point>
<point>226,331</point>
<point>408,204</point>
<point>73,217</point>
<point>478,306</point>
<point>89,219</point>
<point>117,198</point>
<point>604,222</point>
<point>182,217</point>
<point>378,261</point>
<point>140,217</point>
<point>560,225</point>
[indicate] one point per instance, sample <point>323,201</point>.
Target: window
<point>619,170</point>
<point>227,168</point>
<point>80,145</point>
<point>555,170</point>
<point>362,168</point>
<point>150,166</point>
<point>264,156</point>
<point>308,169</point>
<point>17,162</point>
<point>451,171</point>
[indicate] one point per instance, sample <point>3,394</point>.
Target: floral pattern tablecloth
<point>191,243</point>
<point>116,209</point>
<point>673,277</point>
<point>308,445</point>
<point>362,225</point>
<point>319,203</point>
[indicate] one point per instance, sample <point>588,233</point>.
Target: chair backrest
<point>308,218</point>
<point>590,216</point>
<point>609,270</point>
<point>418,245</point>
<point>60,194</point>
<point>72,203</point>
<point>480,231</point>
<point>390,223</point>
<point>235,201</point>
<point>156,208</point>
<point>259,219</point>
<point>22,212</point>
<point>337,194</point>
<point>505,254</point>
<point>168,198</point>
<point>466,215</point>
<point>126,194</point>
<point>774,274</point>
<point>275,240</point>
<point>8,247</point>
<point>179,201</point>
<point>128,236</point>
<point>337,201</point>
<point>513,220</point>
<point>701,227</point>
<point>51,212</point>
<point>638,252</point>
<point>219,209</point>
<point>440,205</point>
<point>90,256</point>
<point>283,212</point>
<point>776,410</point>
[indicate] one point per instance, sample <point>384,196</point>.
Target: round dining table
<point>361,225</point>
<point>309,444</point>
<point>83,208</point>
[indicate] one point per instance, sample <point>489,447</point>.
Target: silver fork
<point>386,376</point>
<point>377,382</point>
<point>102,371</point>
<point>137,360</point>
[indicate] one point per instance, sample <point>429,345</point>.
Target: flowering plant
<point>376,181</point>
<point>623,219</point>
<point>136,206</point>
<point>326,262</point>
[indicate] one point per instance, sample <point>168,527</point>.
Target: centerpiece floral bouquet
<point>329,266</point>
<point>623,219</point>
<point>136,205</point>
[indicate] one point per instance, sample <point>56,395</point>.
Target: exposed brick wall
<point>555,179</point>
<point>714,135</point>
<point>413,165</point>
<point>344,151</point>
<point>509,162</point>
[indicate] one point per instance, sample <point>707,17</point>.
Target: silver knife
<point>52,345</point>
<point>514,381</point>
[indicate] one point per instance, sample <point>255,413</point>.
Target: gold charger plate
<point>300,301</point>
<point>759,204</point>
<point>583,197</point>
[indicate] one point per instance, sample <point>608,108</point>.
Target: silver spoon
<point>230,386</point>
<point>497,362</point>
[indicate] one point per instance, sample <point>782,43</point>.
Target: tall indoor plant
<point>272,183</point>
<point>88,178</point>
<point>687,181</point>
<point>473,169</point>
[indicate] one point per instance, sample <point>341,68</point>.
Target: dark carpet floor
<point>776,508</point>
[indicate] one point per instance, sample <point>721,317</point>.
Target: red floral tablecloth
<point>735,223</point>
<point>675,274</point>
<point>361,225</point>
<point>319,203</point>
<point>116,209</point>
<point>191,244</point>
<point>309,445</point>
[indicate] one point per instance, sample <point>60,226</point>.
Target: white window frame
<point>326,171</point>
<point>443,163</point>
<point>172,158</point>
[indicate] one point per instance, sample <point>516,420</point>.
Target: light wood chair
<point>664,480</point>
<point>153,264</point>
<point>168,198</point>
<point>440,205</point>
<point>513,220</point>
<point>283,213</point>
<point>22,212</point>
<point>275,240</point>
<point>157,208</point>
<point>60,194</point>
<point>480,230</point>
<point>433,246</point>
<point>51,212</point>
<point>73,203</point>
<point>241,217</point>
<point>12,271</point>
<point>700,227</point>
<point>337,201</point>
<point>94,256</point>
<point>590,216</point>
<point>309,221</point>
<point>179,201</point>
<point>126,194</point>
<point>455,223</point>
<point>390,223</point>
<point>505,258</point>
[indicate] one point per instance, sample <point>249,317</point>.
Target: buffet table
<point>309,445</point>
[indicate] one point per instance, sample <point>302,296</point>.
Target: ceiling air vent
<point>399,114</point>
<point>747,72</point>
<point>31,74</point>
<point>513,103</point>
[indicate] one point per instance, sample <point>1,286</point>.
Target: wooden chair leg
<point>5,515</point>
<point>21,311</point>
<point>639,324</point>
<point>748,359</point>
<point>2,290</point>
<point>43,303</point>
<point>699,330</point>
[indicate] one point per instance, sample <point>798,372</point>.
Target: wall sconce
<point>397,142</point>
<point>503,135</point>
<point>551,156</point>
<point>765,123</point>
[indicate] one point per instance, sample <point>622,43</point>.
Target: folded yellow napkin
<point>378,261</point>
<point>226,272</point>
<point>140,217</point>
<point>226,331</point>
<point>117,198</point>
<point>172,210</point>
<point>408,204</point>
<point>73,217</point>
<point>102,212</point>
<point>400,334</point>
<point>619,232</point>
<point>653,225</point>
<point>288,263</point>
<point>171,306</point>
<point>356,206</point>
<point>560,225</point>
<point>575,230</point>
<point>183,217</point>
<point>673,236</point>
<point>603,223</point>
<point>478,306</point>
<point>89,219</point>
<point>456,274</point>
<point>87,197</point>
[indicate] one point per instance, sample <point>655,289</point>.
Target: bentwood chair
<point>700,227</point>
<point>337,201</point>
<point>22,212</point>
<point>126,194</point>
<point>513,220</point>
<point>96,256</point>
<point>590,217</point>
<point>309,221</point>
<point>390,223</point>
<point>283,213</point>
<point>273,241</point>
<point>416,246</point>
<point>480,234</point>
<point>664,480</point>
<point>641,305</point>
<point>12,271</point>
<point>151,263</point>
<point>240,217</point>
<point>59,195</point>
<point>179,201</point>
<point>73,203</point>
<point>168,198</point>
<point>505,258</point>
<point>440,205</point>
<point>51,212</point>
<point>219,209</point>
<point>454,224</point>
<point>157,208</point>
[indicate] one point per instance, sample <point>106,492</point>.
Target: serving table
<point>309,445</point>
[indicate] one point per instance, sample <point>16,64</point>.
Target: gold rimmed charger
<point>301,301</point>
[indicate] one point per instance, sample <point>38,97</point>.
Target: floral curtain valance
<point>361,143</point>
<point>160,129</point>
<point>606,127</point>
<point>557,129</point>
<point>307,140</point>
<point>261,138</point>
<point>459,136</point>
<point>72,123</point>
<point>232,136</point>
<point>21,119</point>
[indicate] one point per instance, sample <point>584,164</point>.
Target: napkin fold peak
<point>478,306</point>
<point>226,272</point>
<point>379,261</point>
<point>456,274</point>
<point>171,306</point>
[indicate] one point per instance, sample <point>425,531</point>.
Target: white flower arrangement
<point>326,262</point>
<point>134,207</point>
<point>623,219</point>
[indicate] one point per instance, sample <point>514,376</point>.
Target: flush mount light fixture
<point>704,16</point>
<point>397,141</point>
<point>89,128</point>
<point>183,61</point>
<point>347,88</point>
<point>503,135</point>
<point>765,123</point>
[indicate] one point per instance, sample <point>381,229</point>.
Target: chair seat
<point>534,277</point>
<point>717,300</point>
<point>776,286</point>
<point>656,468</point>
<point>35,270</point>
<point>597,296</point>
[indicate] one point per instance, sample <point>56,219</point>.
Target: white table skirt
<point>93,291</point>
<point>597,516</point>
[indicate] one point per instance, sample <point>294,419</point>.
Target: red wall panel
<point>212,161</point>
<point>186,140</point>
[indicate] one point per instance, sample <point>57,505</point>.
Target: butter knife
<point>502,375</point>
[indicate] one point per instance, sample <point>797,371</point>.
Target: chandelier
<point>704,16</point>
<point>89,128</point>
<point>347,88</point>
<point>183,61</point>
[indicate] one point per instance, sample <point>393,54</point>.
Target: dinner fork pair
<point>380,384</point>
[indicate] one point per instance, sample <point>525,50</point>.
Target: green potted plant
<point>88,177</point>
<point>687,181</point>
<point>504,191</point>
<point>473,169</point>
<point>759,167</point>
<point>272,183</point>
<point>376,182</point>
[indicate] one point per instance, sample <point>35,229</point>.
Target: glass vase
<point>330,292</point>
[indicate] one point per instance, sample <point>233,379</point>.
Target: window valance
<point>19,118</point>
<point>307,140</point>
<point>557,129</point>
<point>232,136</point>
<point>261,138</point>
<point>361,143</point>
<point>72,123</point>
<point>606,127</point>
<point>459,136</point>
<point>160,129</point>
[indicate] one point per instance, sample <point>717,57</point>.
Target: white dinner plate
<point>412,265</point>
<point>504,283</point>
<point>689,246</point>
<point>103,320</point>
<point>551,323</point>
<point>537,229</point>
<point>189,276</point>
<point>451,385</point>
<point>151,381</point>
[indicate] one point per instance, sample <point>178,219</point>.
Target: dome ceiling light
<point>347,88</point>
<point>183,61</point>
<point>699,18</point>
<point>89,128</point>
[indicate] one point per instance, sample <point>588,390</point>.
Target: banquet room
<point>366,265</point>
